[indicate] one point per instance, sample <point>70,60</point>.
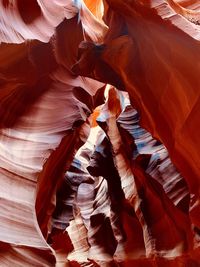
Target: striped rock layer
<point>99,133</point>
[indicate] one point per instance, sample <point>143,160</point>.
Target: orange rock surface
<point>99,133</point>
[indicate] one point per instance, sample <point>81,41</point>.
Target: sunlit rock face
<point>99,133</point>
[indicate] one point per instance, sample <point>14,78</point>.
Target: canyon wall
<point>99,133</point>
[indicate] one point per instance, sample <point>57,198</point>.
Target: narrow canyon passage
<point>99,133</point>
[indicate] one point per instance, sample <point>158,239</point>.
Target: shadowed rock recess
<point>99,133</point>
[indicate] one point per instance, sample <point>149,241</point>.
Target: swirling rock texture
<point>99,158</point>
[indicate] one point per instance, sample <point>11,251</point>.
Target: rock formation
<point>99,158</point>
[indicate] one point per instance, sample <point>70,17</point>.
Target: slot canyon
<point>100,133</point>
